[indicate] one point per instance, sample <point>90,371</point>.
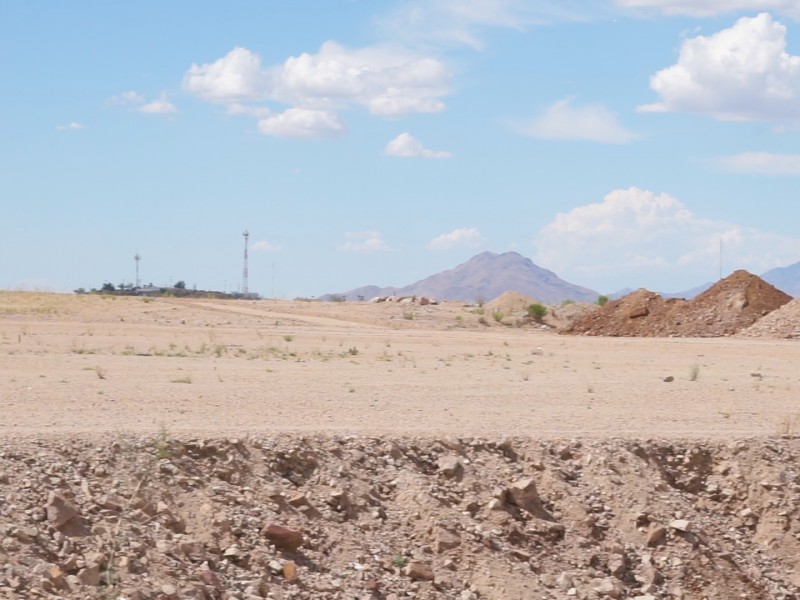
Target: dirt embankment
<point>379,518</point>
<point>731,305</point>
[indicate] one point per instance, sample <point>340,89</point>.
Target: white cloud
<point>740,73</point>
<point>235,77</point>
<point>302,123</point>
<point>265,246</point>
<point>461,22</point>
<point>127,98</point>
<point>162,106</point>
<point>74,126</point>
<point>385,80</point>
<point>363,241</point>
<point>592,122</point>
<point>761,163</point>
<point>406,146</point>
<point>136,101</point>
<point>708,8</point>
<point>464,236</point>
<point>636,237</point>
<point>244,109</point>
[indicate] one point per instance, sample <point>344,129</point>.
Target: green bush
<point>537,311</point>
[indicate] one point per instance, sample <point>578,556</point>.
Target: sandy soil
<point>91,364</point>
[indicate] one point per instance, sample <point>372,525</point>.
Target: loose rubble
<point>319,517</point>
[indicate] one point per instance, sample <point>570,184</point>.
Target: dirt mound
<point>781,323</point>
<point>376,518</point>
<point>729,306</point>
<point>511,303</point>
<point>639,314</point>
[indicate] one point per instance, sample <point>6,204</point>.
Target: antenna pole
<point>137,258</point>
<point>245,291</point>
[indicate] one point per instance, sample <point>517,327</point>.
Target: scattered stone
<point>283,537</point>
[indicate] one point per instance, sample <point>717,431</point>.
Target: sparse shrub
<point>497,315</point>
<point>537,312</point>
<point>694,372</point>
<point>408,314</point>
<point>353,351</point>
<point>567,302</point>
<point>288,338</point>
<point>186,379</point>
<point>602,300</point>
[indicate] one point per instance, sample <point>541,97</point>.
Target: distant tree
<point>80,291</point>
<point>601,300</point>
<point>108,288</point>
<point>181,285</point>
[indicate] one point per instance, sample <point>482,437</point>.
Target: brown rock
<point>419,570</point>
<point>283,537</point>
<point>523,493</point>
<point>59,511</point>
<point>290,570</point>
<point>655,534</point>
<point>445,540</point>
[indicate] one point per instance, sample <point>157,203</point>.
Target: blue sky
<point>618,143</point>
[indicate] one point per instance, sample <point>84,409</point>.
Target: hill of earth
<point>483,277</point>
<point>726,308</point>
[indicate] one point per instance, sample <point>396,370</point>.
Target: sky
<point>618,143</point>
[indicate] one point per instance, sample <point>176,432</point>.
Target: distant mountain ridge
<point>786,279</point>
<point>484,277</point>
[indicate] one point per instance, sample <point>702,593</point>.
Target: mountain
<point>484,277</point>
<point>786,279</point>
<point>686,294</point>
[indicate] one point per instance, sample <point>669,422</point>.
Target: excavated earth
<point>164,449</point>
<point>731,305</point>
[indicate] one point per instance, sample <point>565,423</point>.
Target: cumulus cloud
<point>74,126</point>
<point>760,163</point>
<point>563,121</point>
<point>464,236</point>
<point>636,237</point>
<point>740,73</point>
<point>162,106</point>
<point>302,123</point>
<point>265,246</point>
<point>385,80</point>
<point>406,146</point>
<point>708,8</point>
<point>363,241</point>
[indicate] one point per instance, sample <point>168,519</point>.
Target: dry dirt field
<point>90,364</point>
<point>160,449</point>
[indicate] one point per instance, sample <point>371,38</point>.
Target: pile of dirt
<point>729,306</point>
<point>377,518</point>
<point>781,323</point>
<point>514,304</point>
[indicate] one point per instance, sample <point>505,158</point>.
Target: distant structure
<point>137,258</point>
<point>245,291</point>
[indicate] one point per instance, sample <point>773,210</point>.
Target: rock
<point>609,588</point>
<point>90,575</point>
<point>445,540</point>
<point>283,537</point>
<point>681,525</point>
<point>451,466</point>
<point>655,534</point>
<point>523,493</point>
<point>419,571</point>
<point>289,570</point>
<point>59,511</point>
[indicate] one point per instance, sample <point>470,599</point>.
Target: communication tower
<point>245,291</point>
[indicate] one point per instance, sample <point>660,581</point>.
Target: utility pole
<point>137,258</point>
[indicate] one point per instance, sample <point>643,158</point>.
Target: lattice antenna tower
<point>245,291</point>
<point>137,258</point>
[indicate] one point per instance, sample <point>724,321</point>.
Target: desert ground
<point>163,448</point>
<point>105,364</point>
